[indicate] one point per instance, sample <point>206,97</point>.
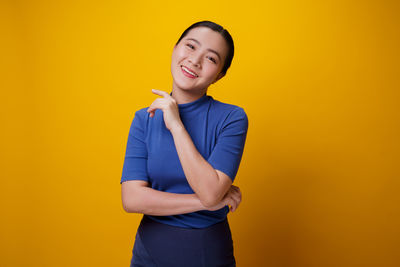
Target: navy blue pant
<point>162,245</point>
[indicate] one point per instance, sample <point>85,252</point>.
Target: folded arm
<point>138,197</point>
<point>209,184</point>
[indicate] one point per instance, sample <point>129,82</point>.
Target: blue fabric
<point>140,255</point>
<point>218,130</point>
<point>158,244</point>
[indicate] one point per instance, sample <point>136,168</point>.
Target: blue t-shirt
<point>218,130</point>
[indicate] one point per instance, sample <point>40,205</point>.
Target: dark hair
<point>218,28</point>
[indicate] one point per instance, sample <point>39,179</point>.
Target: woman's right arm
<point>138,197</point>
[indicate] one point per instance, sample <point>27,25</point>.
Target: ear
<point>220,75</point>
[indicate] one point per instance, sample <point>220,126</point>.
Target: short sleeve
<point>135,162</point>
<point>227,153</point>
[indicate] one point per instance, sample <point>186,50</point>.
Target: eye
<point>190,46</point>
<point>212,59</point>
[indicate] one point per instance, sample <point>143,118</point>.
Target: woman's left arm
<point>209,184</point>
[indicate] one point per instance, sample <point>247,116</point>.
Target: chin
<point>182,84</point>
<point>185,87</point>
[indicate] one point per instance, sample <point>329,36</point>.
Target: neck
<point>183,97</point>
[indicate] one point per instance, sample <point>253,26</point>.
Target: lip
<point>188,74</point>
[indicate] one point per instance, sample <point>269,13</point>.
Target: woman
<point>182,156</point>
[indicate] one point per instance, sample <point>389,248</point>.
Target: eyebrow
<point>209,49</point>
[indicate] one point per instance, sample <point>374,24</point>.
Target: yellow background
<point>319,81</point>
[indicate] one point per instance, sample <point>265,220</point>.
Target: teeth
<point>188,71</point>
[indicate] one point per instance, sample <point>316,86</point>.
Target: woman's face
<point>197,60</point>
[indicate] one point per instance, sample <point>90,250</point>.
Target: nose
<point>195,59</point>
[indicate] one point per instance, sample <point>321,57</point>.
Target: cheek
<point>180,53</point>
<point>212,70</point>
<point>175,53</point>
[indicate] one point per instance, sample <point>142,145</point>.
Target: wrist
<point>177,128</point>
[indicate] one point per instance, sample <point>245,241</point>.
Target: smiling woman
<point>197,57</point>
<point>182,156</point>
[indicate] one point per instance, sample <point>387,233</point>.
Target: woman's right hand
<point>232,198</point>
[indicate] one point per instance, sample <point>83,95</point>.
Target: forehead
<point>209,39</point>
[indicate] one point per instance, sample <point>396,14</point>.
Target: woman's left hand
<point>169,108</point>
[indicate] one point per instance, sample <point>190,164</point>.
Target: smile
<point>189,73</point>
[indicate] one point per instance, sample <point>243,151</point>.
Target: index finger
<point>160,93</point>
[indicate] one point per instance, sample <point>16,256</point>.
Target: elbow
<point>131,206</point>
<point>127,208</point>
<point>210,201</point>
<point>212,194</point>
<point>132,197</point>
<point>211,198</point>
